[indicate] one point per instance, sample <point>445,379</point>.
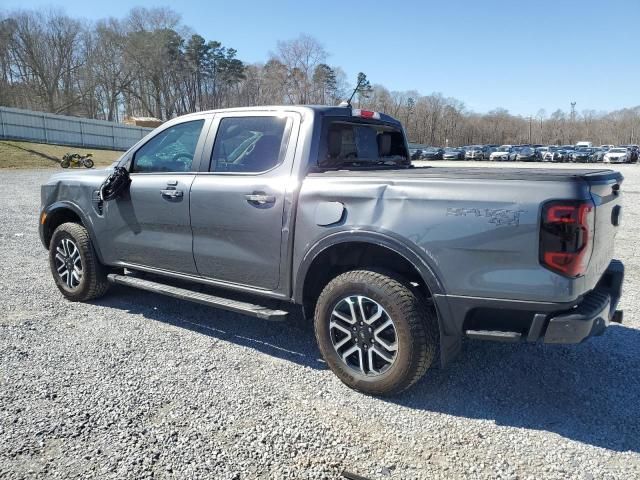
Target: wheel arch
<point>63,212</point>
<point>361,245</point>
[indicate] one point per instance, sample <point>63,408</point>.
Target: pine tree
<point>364,88</point>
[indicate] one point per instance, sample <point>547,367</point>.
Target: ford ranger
<point>258,210</point>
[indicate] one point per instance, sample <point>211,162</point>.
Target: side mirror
<point>115,184</point>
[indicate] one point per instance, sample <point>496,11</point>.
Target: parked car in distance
<point>565,153</point>
<point>581,155</point>
<point>541,151</point>
<point>416,153</point>
<point>607,147</point>
<point>526,154</point>
<point>552,154</point>
<point>597,155</point>
<point>583,144</point>
<point>393,265</point>
<point>451,153</point>
<point>433,153</point>
<point>617,155</point>
<point>476,152</point>
<point>502,154</point>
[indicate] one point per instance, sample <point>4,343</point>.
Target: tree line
<point>150,64</point>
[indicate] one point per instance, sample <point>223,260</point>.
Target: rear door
<point>238,207</point>
<point>150,226</point>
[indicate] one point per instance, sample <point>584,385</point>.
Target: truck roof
<point>322,110</point>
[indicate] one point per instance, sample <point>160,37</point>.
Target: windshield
<point>362,144</point>
<point>618,150</point>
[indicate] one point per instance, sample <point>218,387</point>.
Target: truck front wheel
<point>376,334</point>
<point>75,267</point>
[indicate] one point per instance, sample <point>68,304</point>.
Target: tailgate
<point>606,193</point>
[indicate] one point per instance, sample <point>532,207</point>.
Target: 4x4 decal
<point>497,216</point>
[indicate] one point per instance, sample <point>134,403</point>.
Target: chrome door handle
<point>258,198</point>
<point>171,193</point>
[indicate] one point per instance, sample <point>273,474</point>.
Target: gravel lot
<point>137,385</point>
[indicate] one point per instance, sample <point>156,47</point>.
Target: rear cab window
<point>346,142</point>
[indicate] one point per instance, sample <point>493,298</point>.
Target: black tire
<point>65,163</point>
<point>415,323</point>
<point>88,163</point>
<point>93,282</point>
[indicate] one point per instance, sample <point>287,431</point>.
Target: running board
<point>198,297</point>
<point>495,335</point>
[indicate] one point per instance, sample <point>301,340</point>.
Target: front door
<point>238,206</point>
<point>150,226</point>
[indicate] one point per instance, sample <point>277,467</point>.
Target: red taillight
<point>356,112</point>
<point>566,237</point>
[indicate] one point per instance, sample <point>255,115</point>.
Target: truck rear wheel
<point>75,267</point>
<point>374,332</point>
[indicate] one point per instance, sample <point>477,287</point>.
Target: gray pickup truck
<point>260,210</point>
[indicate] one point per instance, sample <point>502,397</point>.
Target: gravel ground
<point>137,385</point>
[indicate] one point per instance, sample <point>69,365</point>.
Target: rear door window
<point>250,144</point>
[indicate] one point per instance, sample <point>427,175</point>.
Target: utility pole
<point>573,122</point>
<point>530,119</point>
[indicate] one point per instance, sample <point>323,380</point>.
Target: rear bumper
<point>593,314</point>
<point>515,320</point>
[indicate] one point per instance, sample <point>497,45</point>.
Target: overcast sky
<point>522,56</point>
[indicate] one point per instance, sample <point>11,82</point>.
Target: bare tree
<point>149,63</point>
<point>300,57</point>
<point>46,55</point>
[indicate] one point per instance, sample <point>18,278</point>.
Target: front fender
<point>57,207</point>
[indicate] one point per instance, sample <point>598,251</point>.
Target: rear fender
<point>449,344</point>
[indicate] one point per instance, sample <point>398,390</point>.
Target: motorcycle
<point>77,160</point>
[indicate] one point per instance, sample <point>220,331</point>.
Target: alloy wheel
<point>68,263</point>
<point>363,335</point>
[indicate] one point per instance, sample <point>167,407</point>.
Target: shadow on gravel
<point>292,340</point>
<point>587,392</point>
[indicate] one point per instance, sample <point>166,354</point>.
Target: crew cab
<point>266,210</point>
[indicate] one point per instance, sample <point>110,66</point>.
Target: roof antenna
<point>348,102</point>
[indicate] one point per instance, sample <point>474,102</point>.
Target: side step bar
<point>494,335</point>
<point>198,297</point>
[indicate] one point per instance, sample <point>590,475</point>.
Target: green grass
<point>39,155</point>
